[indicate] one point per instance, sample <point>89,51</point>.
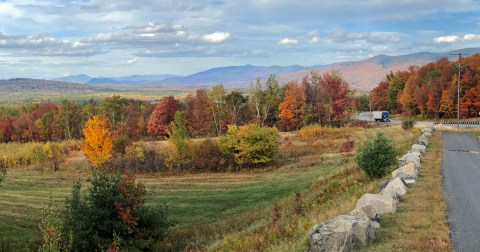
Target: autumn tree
<point>198,113</point>
<point>161,117</point>
<point>264,99</point>
<point>179,143</point>
<point>379,97</point>
<point>133,123</point>
<point>98,141</point>
<point>216,98</point>
<point>290,110</point>
<point>446,104</point>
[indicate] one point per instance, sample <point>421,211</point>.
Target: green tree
<point>179,141</point>
<point>114,108</point>
<point>377,156</point>
<point>114,207</point>
<point>234,102</point>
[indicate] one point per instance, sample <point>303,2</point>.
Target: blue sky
<point>52,38</point>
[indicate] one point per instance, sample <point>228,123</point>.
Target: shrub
<point>113,210</point>
<point>251,144</point>
<point>377,156</point>
<point>313,130</point>
<point>120,144</point>
<point>207,156</point>
<point>407,124</point>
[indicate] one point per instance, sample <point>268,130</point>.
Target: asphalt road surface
<point>461,186</point>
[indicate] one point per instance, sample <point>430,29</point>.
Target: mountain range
<point>363,74</point>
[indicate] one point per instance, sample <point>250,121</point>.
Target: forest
<point>323,99</point>
<point>430,91</point>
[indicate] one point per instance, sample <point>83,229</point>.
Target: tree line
<point>322,99</point>
<point>430,91</point>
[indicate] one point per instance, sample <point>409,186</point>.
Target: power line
<point>458,86</point>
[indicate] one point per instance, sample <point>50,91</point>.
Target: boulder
<point>383,184</point>
<point>411,157</point>
<point>395,189</point>
<point>342,233</point>
<point>423,140</point>
<point>370,211</point>
<point>380,203</point>
<point>427,134</point>
<point>419,148</point>
<point>428,129</point>
<point>406,172</point>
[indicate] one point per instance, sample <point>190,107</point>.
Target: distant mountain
<point>81,78</point>
<point>231,75</point>
<point>363,74</point>
<point>142,80</point>
<point>366,74</point>
<point>40,87</point>
<point>103,81</point>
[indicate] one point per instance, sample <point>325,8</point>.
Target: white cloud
<point>216,37</point>
<point>379,48</point>
<point>471,37</point>
<point>313,33</point>
<point>446,39</point>
<point>132,61</point>
<point>315,39</point>
<point>287,41</point>
<point>342,36</point>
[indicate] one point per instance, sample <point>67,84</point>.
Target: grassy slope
<point>210,204</point>
<point>420,223</point>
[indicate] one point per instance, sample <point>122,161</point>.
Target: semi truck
<point>381,116</point>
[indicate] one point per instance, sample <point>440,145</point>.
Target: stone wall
<point>357,229</point>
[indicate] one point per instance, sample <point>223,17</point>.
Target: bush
<point>314,130</point>
<point>112,210</point>
<point>407,124</point>
<point>207,156</point>
<point>377,156</point>
<point>251,145</point>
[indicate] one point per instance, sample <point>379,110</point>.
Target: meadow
<point>218,211</point>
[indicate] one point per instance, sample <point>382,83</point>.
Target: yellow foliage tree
<point>98,140</point>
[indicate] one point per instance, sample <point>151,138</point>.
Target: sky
<point>54,38</point>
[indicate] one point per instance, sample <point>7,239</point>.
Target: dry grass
<point>420,223</point>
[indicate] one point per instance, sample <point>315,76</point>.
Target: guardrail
<point>464,124</point>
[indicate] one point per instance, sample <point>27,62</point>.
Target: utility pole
<point>458,87</point>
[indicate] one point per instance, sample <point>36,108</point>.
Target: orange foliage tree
<point>290,110</point>
<point>98,141</point>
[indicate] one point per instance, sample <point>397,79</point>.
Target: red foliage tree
<point>197,113</point>
<point>161,116</point>
<point>379,97</point>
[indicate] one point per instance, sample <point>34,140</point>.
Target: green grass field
<point>204,207</point>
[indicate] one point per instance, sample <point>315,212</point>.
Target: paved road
<point>461,186</point>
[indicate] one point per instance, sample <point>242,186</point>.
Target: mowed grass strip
<point>420,223</point>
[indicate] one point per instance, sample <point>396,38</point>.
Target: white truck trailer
<point>381,116</point>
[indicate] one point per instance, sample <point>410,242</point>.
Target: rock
<point>420,148</point>
<point>410,181</point>
<point>383,184</point>
<point>406,172</point>
<point>429,130</point>
<point>342,233</point>
<point>411,157</point>
<point>395,189</point>
<point>380,203</point>
<point>423,140</point>
<point>427,134</point>
<point>371,212</point>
